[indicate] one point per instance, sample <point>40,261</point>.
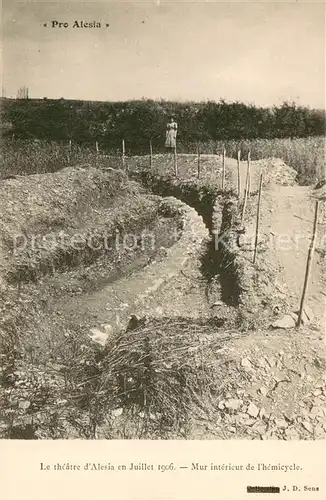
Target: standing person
<point>171,134</point>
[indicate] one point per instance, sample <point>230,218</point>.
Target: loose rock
<point>245,363</point>
<point>98,336</point>
<point>249,422</point>
<point>286,322</point>
<point>252,410</point>
<point>263,390</point>
<point>308,426</point>
<point>260,427</point>
<point>233,404</point>
<point>291,433</point>
<point>281,423</point>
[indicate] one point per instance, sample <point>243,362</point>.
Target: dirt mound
<point>56,221</point>
<point>42,202</point>
<point>320,193</point>
<point>276,171</point>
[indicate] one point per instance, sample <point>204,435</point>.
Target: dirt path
<point>286,224</point>
<point>288,214</point>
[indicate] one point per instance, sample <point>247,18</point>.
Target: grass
<point>21,157</point>
<point>305,155</point>
<point>159,373</point>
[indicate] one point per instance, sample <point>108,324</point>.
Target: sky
<point>255,52</point>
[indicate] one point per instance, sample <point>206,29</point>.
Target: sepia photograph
<point>162,222</point>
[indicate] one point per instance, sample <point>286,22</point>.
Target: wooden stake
<point>247,187</point>
<point>244,205</point>
<point>309,264</point>
<point>239,178</point>
<point>198,161</point>
<point>96,147</point>
<point>257,218</point>
<point>249,175</point>
<point>175,161</point>
<point>217,156</point>
<point>123,154</point>
<point>223,169</point>
<point>150,154</point>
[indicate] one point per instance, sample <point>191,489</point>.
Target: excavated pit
<point>220,215</point>
<point>110,295</point>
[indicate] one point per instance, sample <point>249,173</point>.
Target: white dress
<point>171,135</point>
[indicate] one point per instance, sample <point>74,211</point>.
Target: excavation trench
<point>53,288</point>
<point>220,215</point>
<point>73,323</point>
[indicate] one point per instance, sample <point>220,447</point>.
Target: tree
<point>22,92</point>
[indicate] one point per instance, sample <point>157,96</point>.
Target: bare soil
<point>271,383</point>
<point>277,387</point>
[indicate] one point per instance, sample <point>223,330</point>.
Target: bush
<point>139,121</point>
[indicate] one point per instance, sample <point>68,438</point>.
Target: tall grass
<point>23,157</point>
<point>305,155</point>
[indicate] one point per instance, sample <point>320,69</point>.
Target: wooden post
<point>175,161</point>
<point>246,191</point>
<point>249,175</point>
<point>96,147</point>
<point>223,169</point>
<point>123,154</point>
<point>244,206</point>
<point>198,161</point>
<point>239,178</point>
<point>69,150</point>
<point>150,154</point>
<point>217,159</point>
<point>309,264</point>
<point>257,218</point>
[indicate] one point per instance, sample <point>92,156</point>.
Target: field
<point>24,157</point>
<point>306,155</point>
